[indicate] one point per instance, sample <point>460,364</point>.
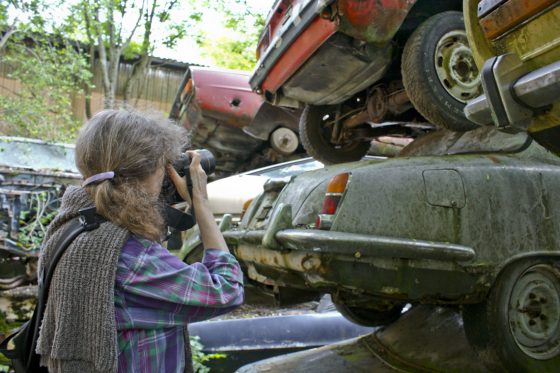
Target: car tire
<point>367,316</point>
<point>439,72</point>
<point>315,138</point>
<point>517,328</point>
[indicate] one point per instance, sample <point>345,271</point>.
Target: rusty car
<point>237,125</point>
<point>517,47</point>
<point>33,177</point>
<point>353,64</point>
<point>464,219</point>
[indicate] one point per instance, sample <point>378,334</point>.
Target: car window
<point>293,169</point>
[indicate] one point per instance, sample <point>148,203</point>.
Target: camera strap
<point>178,219</point>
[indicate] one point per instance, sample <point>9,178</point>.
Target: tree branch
<point>140,15</point>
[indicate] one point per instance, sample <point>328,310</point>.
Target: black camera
<point>182,166</point>
<point>175,218</point>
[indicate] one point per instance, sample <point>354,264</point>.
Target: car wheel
<point>316,129</point>
<point>284,141</point>
<point>517,328</point>
<point>368,316</point>
<point>439,72</point>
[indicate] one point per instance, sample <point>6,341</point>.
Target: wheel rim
<point>456,68</point>
<point>284,140</point>
<point>534,312</point>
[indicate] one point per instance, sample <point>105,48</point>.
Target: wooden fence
<point>159,89</point>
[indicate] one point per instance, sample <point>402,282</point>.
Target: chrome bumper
<point>513,93</point>
<point>280,235</point>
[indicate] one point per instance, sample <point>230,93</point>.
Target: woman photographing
<point>119,301</point>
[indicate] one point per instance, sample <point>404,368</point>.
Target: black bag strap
<point>87,221</point>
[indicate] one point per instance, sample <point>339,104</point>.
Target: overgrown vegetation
<point>199,357</point>
<point>41,208</point>
<point>49,69</point>
<point>51,73</point>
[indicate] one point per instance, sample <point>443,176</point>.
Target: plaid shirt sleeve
<point>155,289</point>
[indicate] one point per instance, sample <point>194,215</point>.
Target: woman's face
<point>154,181</point>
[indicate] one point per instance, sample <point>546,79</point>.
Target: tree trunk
<point>135,83</point>
<point>87,88</point>
<point>139,72</point>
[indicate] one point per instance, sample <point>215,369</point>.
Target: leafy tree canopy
<point>243,21</point>
<point>49,69</point>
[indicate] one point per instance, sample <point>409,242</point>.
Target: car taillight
<point>335,190</point>
<point>187,89</point>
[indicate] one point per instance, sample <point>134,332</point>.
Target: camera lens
<point>181,165</point>
<point>207,160</point>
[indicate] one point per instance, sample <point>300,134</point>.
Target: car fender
<point>498,270</point>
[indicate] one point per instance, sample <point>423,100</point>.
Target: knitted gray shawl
<point>78,332</point>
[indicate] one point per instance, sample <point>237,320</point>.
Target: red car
<point>228,118</point>
<point>352,64</point>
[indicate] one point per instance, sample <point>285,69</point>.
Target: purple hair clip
<point>98,177</point>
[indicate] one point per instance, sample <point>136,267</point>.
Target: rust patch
<point>373,20</point>
<point>510,14</point>
<point>494,159</point>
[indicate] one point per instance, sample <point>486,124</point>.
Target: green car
<point>466,219</point>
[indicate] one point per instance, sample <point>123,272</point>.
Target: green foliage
<point>237,49</point>
<point>199,357</point>
<point>132,50</point>
<point>42,209</point>
<point>50,73</point>
<point>231,54</point>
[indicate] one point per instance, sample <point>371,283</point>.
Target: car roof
<point>36,154</point>
<point>262,170</point>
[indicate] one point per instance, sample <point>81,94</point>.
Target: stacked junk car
<point>462,228</point>
<point>444,257</point>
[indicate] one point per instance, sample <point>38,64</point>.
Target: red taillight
<point>335,190</point>
<point>330,204</point>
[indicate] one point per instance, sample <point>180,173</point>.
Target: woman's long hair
<point>134,146</point>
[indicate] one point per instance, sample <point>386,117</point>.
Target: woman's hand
<point>180,184</point>
<point>198,178</point>
<point>209,233</point>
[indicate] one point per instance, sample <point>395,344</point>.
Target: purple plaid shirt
<point>156,295</point>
